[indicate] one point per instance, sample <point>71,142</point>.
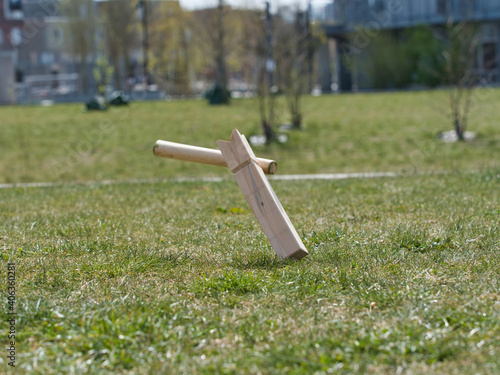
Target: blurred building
<point>45,67</point>
<point>34,63</point>
<point>43,38</point>
<point>11,24</point>
<point>37,60</point>
<point>341,18</point>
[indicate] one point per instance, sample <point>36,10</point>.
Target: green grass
<point>157,277</point>
<point>350,133</point>
<point>178,278</point>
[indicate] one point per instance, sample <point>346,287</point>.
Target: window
<point>47,58</point>
<point>467,7</point>
<point>378,6</point>
<point>16,36</point>
<point>15,5</point>
<point>13,9</point>
<point>360,10</point>
<point>442,6</point>
<point>490,59</point>
<point>489,32</point>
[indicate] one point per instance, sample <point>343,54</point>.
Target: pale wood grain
<point>202,155</point>
<point>261,197</point>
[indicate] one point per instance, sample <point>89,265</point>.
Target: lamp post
<point>221,74</point>
<point>145,39</point>
<point>270,64</point>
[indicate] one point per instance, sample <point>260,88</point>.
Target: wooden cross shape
<point>249,174</point>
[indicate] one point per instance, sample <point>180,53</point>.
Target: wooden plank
<point>261,197</point>
<point>203,155</point>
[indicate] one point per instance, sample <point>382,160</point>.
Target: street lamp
<point>143,4</point>
<point>270,63</point>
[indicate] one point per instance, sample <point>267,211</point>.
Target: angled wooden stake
<point>261,197</point>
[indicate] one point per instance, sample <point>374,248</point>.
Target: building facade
<point>11,24</point>
<point>34,62</point>
<point>340,20</point>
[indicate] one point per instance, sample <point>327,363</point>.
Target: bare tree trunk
<point>81,32</point>
<point>221,71</point>
<point>461,77</point>
<point>266,105</point>
<point>459,129</point>
<point>221,65</point>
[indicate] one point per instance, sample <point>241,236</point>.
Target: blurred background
<point>66,51</point>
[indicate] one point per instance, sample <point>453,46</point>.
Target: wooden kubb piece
<point>261,197</point>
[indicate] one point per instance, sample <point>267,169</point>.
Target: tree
<point>462,42</point>
<point>220,54</point>
<point>426,50</point>
<point>103,73</point>
<point>451,58</point>
<point>446,56</point>
<point>118,20</point>
<point>266,87</point>
<point>170,47</point>
<point>81,30</point>
<point>295,45</point>
<point>286,48</point>
<point>389,62</point>
<point>215,33</point>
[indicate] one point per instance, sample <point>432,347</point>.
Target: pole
<point>221,64</point>
<point>309,47</point>
<point>269,46</point>
<point>145,40</point>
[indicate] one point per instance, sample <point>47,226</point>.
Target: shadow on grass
<point>264,260</point>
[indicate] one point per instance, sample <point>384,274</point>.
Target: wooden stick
<point>203,155</point>
<point>261,197</point>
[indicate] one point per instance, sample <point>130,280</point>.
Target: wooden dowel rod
<point>179,151</point>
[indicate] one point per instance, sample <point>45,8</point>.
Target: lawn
<point>177,277</point>
<point>344,133</point>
